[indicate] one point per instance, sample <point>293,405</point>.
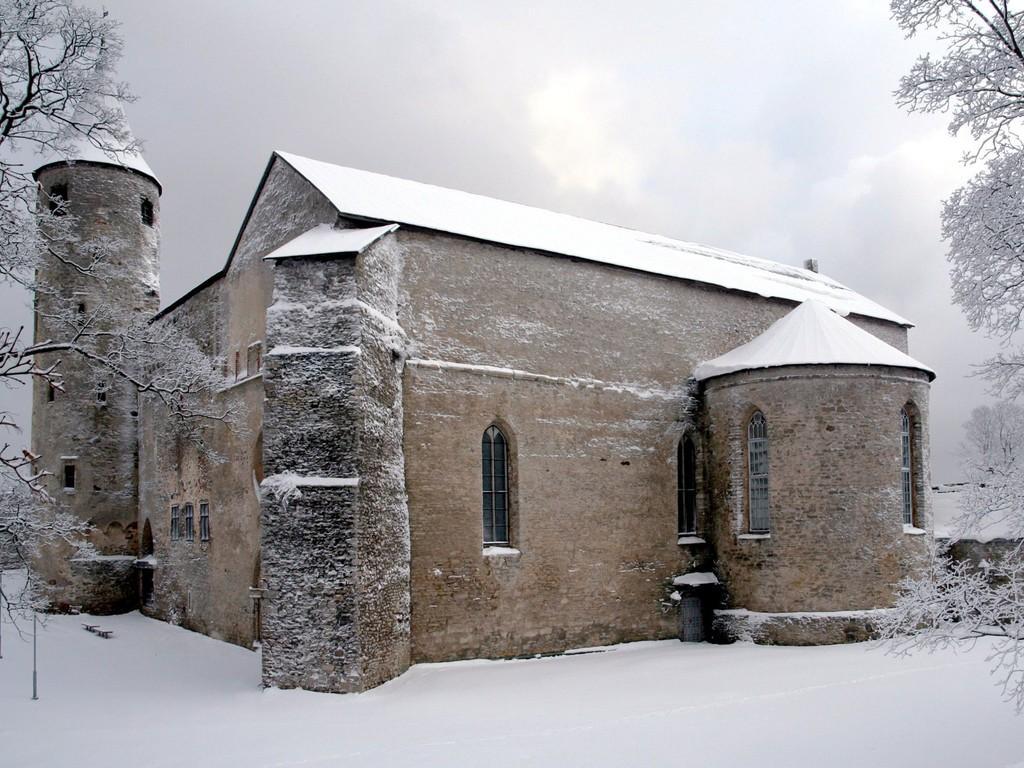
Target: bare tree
<point>957,601</point>
<point>979,81</point>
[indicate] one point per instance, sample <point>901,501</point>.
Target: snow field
<point>158,695</point>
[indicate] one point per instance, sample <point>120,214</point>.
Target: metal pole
<point>35,688</point>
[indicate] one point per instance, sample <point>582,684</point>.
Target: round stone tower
<point>85,433</point>
<point>818,439</point>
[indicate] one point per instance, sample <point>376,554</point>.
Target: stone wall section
<point>837,540</point>
<point>585,367</point>
<point>98,436</point>
<point>211,586</point>
<point>336,542</point>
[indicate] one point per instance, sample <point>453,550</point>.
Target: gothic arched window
<point>494,454</point>
<point>757,473</point>
<point>906,470</point>
<point>686,486</point>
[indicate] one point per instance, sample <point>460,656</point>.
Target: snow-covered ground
<point>156,695</point>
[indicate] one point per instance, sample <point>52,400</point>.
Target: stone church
<point>471,428</point>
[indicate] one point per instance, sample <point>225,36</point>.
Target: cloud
<point>578,121</point>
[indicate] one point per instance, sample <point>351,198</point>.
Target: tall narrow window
<point>204,521</point>
<point>906,475</point>
<point>757,473</point>
<point>495,484</point>
<point>686,485</point>
<point>70,476</point>
<point>146,211</point>
<point>190,530</point>
<point>175,523</point>
<point>101,393</point>
<point>58,199</point>
<point>51,392</point>
<point>238,357</point>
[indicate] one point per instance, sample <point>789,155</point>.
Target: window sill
<point>753,536</point>
<point>687,539</point>
<point>912,530</point>
<point>501,552</point>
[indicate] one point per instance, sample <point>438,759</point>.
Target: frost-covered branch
<point>28,523</point>
<point>957,601</point>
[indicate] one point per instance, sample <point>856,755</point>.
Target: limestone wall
<point>593,439</point>
<point>837,540</point>
<point>98,436</point>
<point>335,537</point>
<point>208,586</point>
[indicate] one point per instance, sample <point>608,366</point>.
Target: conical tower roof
<point>812,334</point>
<point>84,151</point>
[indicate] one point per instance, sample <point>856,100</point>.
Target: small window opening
<point>253,359</point>
<point>51,392</point>
<point>146,209</point>
<point>70,476</point>
<point>58,199</point>
<point>190,529</point>
<point>238,361</point>
<point>204,521</point>
<point>81,307</point>
<point>101,392</point>
<point>175,523</point>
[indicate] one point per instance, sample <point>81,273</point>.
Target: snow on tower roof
<point>385,198</point>
<point>325,239</point>
<point>84,151</point>
<point>811,334</point>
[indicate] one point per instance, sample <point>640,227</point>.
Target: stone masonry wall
<point>593,439</point>
<point>837,541</point>
<point>99,437</point>
<point>210,586</point>
<point>335,553</point>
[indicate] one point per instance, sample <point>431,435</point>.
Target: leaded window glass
<point>757,473</point>
<point>494,454</point>
<point>686,484</point>
<point>906,479</point>
<point>175,523</point>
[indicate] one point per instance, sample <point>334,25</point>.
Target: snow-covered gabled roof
<point>812,334</point>
<point>325,239</point>
<point>385,198</point>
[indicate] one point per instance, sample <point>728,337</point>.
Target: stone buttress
<point>335,526</point>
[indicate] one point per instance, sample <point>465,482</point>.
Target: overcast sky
<point>766,128</point>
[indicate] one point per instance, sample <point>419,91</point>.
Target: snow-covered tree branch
<point>956,601</point>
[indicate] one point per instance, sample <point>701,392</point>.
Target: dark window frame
<point>146,212</point>
<point>204,521</point>
<point>494,461</point>
<point>58,199</point>
<point>69,467</point>
<point>907,500</point>
<point>175,522</point>
<point>758,475</point>
<point>686,487</point>
<point>190,524</point>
